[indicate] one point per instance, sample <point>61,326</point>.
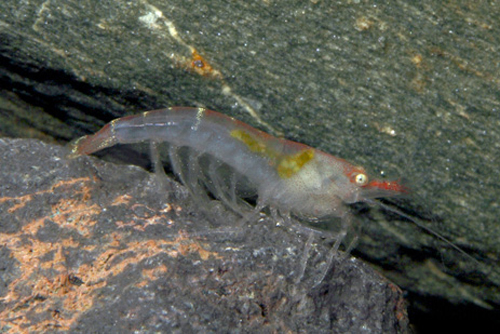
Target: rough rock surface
<point>94,247</point>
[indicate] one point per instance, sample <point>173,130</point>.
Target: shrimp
<point>284,175</point>
<point>233,161</point>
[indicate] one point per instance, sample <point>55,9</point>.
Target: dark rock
<point>94,247</point>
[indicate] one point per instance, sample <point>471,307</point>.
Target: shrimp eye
<point>361,179</point>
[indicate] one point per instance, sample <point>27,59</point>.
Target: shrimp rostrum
<point>234,161</point>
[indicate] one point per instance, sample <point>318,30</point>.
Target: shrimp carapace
<point>284,175</point>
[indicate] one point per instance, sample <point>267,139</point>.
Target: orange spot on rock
<point>152,275</point>
<point>201,66</point>
<point>123,199</point>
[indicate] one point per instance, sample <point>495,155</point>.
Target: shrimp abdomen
<point>204,131</point>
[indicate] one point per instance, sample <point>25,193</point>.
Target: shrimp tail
<point>93,143</point>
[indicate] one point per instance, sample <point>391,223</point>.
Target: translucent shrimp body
<point>232,159</point>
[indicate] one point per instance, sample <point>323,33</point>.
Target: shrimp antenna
<point>425,228</point>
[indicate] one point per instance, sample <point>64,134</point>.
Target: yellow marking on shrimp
<point>287,165</point>
<point>292,164</point>
<point>200,112</point>
<point>253,144</point>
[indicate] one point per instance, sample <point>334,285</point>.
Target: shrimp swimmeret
<point>233,160</point>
